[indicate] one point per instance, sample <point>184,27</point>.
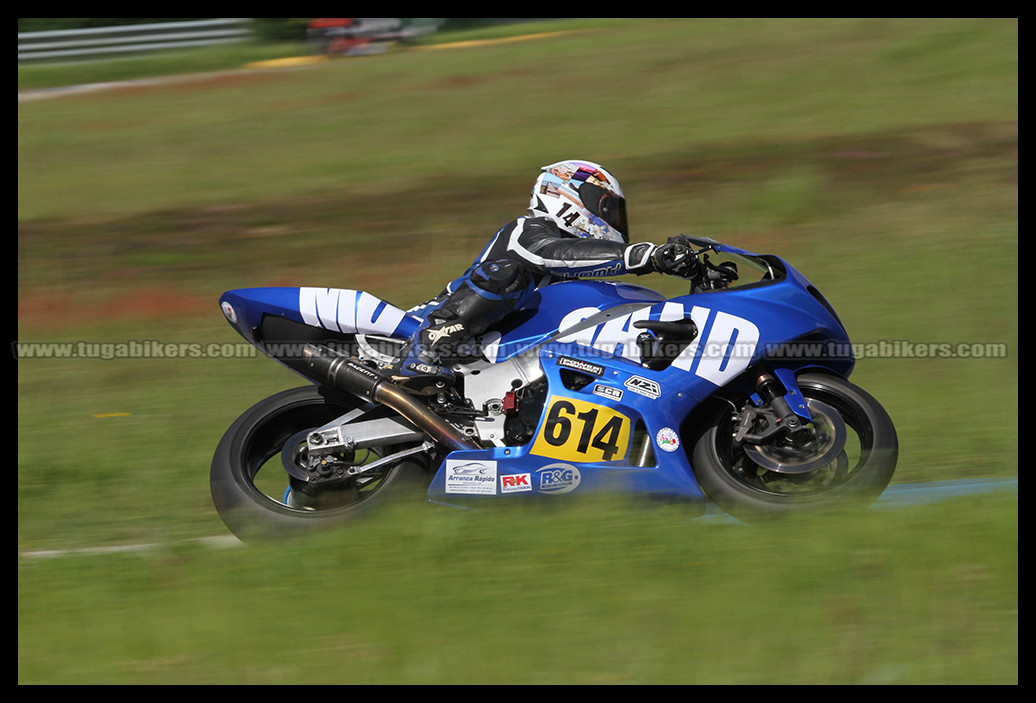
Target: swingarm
<point>340,449</point>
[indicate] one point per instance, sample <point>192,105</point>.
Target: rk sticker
<point>516,483</point>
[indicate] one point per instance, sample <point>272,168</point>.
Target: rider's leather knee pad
<point>502,277</point>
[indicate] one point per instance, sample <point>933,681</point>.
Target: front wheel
<point>248,478</point>
<point>850,460</point>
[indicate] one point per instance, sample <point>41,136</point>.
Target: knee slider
<point>500,277</point>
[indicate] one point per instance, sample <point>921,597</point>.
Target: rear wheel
<point>849,458</point>
<point>248,477</point>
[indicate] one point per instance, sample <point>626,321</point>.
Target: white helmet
<point>583,199</point>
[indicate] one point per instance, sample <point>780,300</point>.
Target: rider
<point>576,226</point>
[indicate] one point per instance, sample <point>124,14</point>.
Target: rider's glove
<point>675,258</point>
<point>637,258</point>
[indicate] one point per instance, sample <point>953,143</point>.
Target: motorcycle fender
<point>796,401</point>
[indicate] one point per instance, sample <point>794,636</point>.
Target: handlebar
<point>707,276</point>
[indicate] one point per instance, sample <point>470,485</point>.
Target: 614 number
<point>583,431</point>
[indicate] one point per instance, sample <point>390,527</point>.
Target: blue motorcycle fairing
<point>584,455</point>
<point>334,310</point>
<point>784,321</point>
<point>560,306</point>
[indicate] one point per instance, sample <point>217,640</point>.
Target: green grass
<point>589,592</point>
<point>413,116</point>
<point>878,156</point>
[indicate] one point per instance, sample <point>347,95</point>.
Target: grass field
<point>879,156</point>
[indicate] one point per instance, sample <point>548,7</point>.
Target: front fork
<point>779,401</point>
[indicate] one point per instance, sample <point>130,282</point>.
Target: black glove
<point>676,259</point>
<point>637,258</point>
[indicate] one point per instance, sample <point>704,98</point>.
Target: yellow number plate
<point>579,431</point>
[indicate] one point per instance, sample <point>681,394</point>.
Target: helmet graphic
<point>583,199</point>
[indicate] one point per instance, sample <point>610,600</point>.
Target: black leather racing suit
<point>525,254</point>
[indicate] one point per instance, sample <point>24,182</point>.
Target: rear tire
<point>247,478</point>
<point>856,477</point>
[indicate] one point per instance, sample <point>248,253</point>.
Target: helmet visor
<point>609,207</point>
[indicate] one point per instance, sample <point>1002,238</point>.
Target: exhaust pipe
<point>348,375</point>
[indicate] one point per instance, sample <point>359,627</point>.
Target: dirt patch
<point>169,264</point>
<point>892,161</point>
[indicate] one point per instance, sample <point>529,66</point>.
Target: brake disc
<point>827,443</point>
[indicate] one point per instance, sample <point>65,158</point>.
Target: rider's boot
<point>492,290</point>
<point>419,368</point>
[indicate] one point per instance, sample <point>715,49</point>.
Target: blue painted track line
<point>907,494</point>
<point>898,495</point>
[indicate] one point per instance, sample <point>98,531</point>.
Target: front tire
<point>247,478</point>
<point>855,476</point>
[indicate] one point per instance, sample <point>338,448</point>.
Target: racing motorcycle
<point>736,394</point>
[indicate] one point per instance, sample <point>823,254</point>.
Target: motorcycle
<point>736,394</point>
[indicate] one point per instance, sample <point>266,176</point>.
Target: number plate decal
<point>579,431</point>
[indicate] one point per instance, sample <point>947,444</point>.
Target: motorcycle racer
<point>576,226</point>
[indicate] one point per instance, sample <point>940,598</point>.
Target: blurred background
<point>161,165</point>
